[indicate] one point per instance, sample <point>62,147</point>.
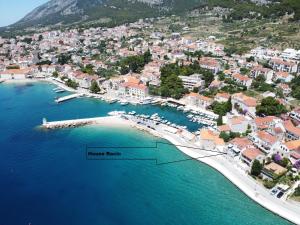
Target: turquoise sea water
<point>46,179</point>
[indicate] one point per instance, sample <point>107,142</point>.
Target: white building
<point>192,81</point>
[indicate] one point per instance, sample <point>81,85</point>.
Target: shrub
<point>269,184</point>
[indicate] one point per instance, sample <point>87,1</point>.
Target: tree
<point>224,136</point>
<point>88,69</point>
<point>284,162</point>
<point>229,105</point>
<point>40,37</point>
<point>250,59</point>
<point>220,120</point>
<point>196,90</point>
<point>55,74</point>
<point>221,76</point>
<point>244,71</point>
<point>297,191</point>
<point>72,84</point>
<point>270,107</point>
<point>135,63</point>
<point>94,87</point>
<point>256,168</point>
<point>221,108</point>
<point>64,58</point>
<point>172,87</point>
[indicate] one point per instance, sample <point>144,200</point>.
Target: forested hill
<point>116,12</point>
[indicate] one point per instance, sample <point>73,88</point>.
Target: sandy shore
<point>238,177</point>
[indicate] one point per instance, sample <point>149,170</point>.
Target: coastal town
<point>247,106</point>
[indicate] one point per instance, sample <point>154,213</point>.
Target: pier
<point>71,123</point>
<point>68,97</point>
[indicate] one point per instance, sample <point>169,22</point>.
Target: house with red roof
<point>15,74</point>
<point>210,64</point>
<point>264,141</point>
<point>209,140</point>
<point>279,64</point>
<point>295,115</point>
<point>222,97</point>
<point>291,132</point>
<point>238,124</point>
<point>197,100</point>
<point>250,154</point>
<point>239,144</point>
<point>133,87</point>
<point>285,88</point>
<point>261,71</point>
<point>283,76</point>
<point>242,80</point>
<point>262,123</point>
<point>290,149</point>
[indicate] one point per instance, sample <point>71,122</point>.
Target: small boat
<point>116,113</point>
<point>190,116</point>
<point>111,101</point>
<point>59,91</point>
<point>123,102</point>
<point>132,113</point>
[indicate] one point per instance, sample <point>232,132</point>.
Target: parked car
<point>280,194</point>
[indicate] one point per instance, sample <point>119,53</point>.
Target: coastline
<point>240,179</point>
<point>245,183</point>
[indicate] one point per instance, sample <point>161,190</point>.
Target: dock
<point>71,123</point>
<point>68,97</point>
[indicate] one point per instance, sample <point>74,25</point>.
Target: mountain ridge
<point>115,12</point>
<point>69,11</point>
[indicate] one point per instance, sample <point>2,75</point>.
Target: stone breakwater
<point>71,123</point>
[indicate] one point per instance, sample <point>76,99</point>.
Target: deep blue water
<point>45,177</point>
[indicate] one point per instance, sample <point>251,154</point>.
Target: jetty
<point>70,123</point>
<point>68,97</point>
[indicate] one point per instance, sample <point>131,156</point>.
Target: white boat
<point>181,108</point>
<point>132,113</point>
<point>123,102</point>
<point>111,101</point>
<point>116,113</point>
<point>59,91</point>
<point>190,116</point>
<point>185,110</point>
